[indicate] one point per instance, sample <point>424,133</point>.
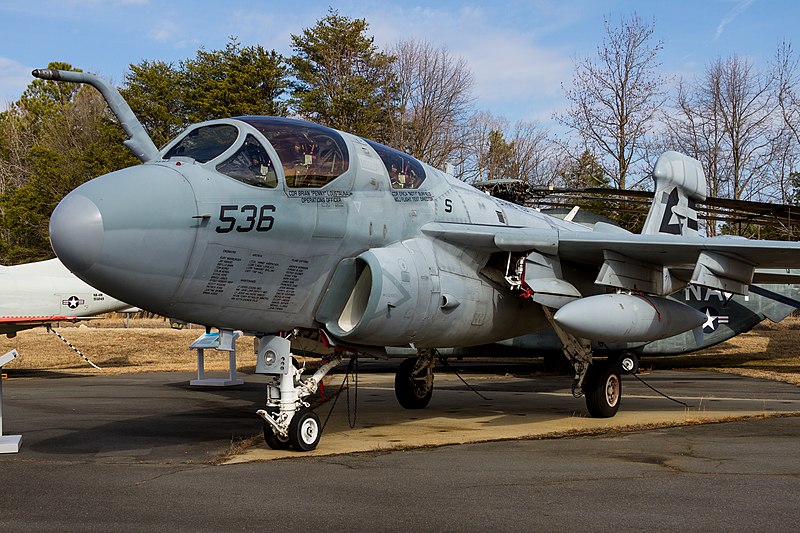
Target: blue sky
<point>520,52</point>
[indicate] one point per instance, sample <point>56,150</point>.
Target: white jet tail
<point>680,183</point>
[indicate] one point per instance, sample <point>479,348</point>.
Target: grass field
<point>151,345</point>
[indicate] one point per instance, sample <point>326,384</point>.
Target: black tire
<point>274,441</point>
<point>305,431</point>
<point>411,393</point>
<point>603,389</point>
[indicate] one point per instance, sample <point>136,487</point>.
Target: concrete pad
<point>524,408</point>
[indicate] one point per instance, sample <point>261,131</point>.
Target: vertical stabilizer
<point>680,183</point>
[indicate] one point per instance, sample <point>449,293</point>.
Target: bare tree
<point>15,142</point>
<point>495,149</point>
<point>434,101</point>
<point>474,151</point>
<point>615,96</point>
<point>788,71</point>
<point>729,120</point>
<point>748,106</point>
<point>535,154</point>
<point>696,129</point>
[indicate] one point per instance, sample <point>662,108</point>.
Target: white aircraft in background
<point>45,292</point>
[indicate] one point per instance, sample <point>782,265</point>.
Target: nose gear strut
<point>287,415</point>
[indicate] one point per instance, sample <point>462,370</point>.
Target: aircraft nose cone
<point>129,234</point>
<point>76,232</point>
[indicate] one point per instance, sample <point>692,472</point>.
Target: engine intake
<point>420,294</point>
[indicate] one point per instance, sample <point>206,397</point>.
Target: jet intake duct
<point>399,295</point>
<point>627,318</point>
<point>376,296</point>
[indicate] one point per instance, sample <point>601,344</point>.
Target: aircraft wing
<point>777,276</point>
<point>588,247</point>
<point>641,261</point>
<point>674,251</point>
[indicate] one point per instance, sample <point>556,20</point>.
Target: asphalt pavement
<point>140,452</point>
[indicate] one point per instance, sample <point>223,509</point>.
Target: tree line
<point>740,120</point>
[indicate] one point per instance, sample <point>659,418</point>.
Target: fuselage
<point>242,223</point>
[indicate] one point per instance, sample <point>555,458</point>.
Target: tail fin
<point>680,183</point>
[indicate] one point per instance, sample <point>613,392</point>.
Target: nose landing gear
<point>287,419</point>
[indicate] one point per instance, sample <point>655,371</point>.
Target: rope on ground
<point>77,351</point>
<point>352,368</point>
<point>446,365</point>
<point>658,391</point>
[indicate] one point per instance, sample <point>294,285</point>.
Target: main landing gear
<point>288,421</point>
<point>413,382</point>
<point>599,381</point>
<point>603,384</point>
<point>603,389</point>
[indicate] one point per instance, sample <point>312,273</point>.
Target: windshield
<point>204,143</point>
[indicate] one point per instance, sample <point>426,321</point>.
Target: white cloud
<point>163,31</point>
<point>265,29</point>
<point>14,78</point>
<point>511,70</point>
<point>737,10</point>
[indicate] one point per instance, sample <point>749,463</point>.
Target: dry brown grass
<point>769,351</point>
<point>150,345</point>
<point>146,345</point>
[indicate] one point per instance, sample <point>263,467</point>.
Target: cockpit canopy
<point>311,155</point>
<point>250,164</point>
<point>405,172</point>
<point>205,143</point>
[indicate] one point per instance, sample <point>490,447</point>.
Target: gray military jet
<point>268,225</point>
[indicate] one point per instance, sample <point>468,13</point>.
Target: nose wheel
<point>413,382</point>
<point>304,431</point>
<point>287,420</point>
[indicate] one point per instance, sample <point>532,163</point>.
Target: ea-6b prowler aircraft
<point>266,225</point>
